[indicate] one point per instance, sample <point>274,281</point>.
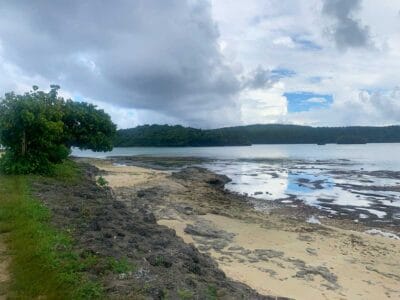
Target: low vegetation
<point>120,266</point>
<point>101,181</point>
<point>37,130</point>
<point>44,263</point>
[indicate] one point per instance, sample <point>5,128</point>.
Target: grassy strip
<point>44,264</point>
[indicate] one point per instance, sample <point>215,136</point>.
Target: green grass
<point>44,264</point>
<point>212,293</point>
<point>120,266</point>
<point>185,294</point>
<point>67,172</point>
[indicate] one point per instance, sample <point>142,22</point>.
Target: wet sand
<point>276,251</point>
<point>341,265</point>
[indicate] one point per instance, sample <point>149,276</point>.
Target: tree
<point>39,128</point>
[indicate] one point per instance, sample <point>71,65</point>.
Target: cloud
<point>347,31</point>
<point>382,104</point>
<point>361,108</point>
<point>259,78</point>
<point>209,63</point>
<point>285,41</point>
<point>262,78</point>
<point>296,42</point>
<point>263,105</point>
<point>151,55</point>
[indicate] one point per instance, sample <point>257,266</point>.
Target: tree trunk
<point>23,148</point>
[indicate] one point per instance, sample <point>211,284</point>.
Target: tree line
<point>178,136</point>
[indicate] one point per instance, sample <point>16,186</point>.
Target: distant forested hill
<point>170,136</point>
<point>177,136</point>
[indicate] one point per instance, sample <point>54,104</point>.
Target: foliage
<point>87,127</point>
<point>120,266</point>
<point>39,128</point>
<point>212,293</point>
<point>67,172</point>
<point>176,136</point>
<point>346,139</point>
<point>172,136</point>
<point>185,294</point>
<point>102,181</point>
<point>44,263</point>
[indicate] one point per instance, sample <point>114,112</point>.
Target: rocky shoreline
<point>275,251</point>
<point>382,211</point>
<point>109,225</point>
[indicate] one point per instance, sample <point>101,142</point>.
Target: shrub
<point>102,181</point>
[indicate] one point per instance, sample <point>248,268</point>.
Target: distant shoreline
<point>270,134</point>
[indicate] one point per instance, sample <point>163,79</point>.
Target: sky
<point>210,63</point>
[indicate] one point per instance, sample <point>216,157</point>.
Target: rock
<point>271,272</point>
<point>202,175</point>
<point>311,251</point>
<point>148,216</point>
<point>140,194</point>
<point>160,261</point>
<point>268,253</point>
<point>74,209</point>
<point>94,226</point>
<point>219,244</point>
<point>107,235</point>
<point>187,210</point>
<point>308,272</point>
<point>204,248</point>
<point>205,229</point>
<point>235,248</point>
<point>305,238</point>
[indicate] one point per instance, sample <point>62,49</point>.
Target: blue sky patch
<point>282,73</point>
<point>306,44</point>
<point>304,101</point>
<point>78,98</point>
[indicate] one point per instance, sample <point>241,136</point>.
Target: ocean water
<point>361,181</point>
<point>372,156</point>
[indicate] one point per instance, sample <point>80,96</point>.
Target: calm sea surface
<point>374,156</point>
<point>361,181</point>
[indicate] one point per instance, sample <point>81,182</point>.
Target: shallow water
<point>372,156</point>
<point>337,187</point>
<point>339,179</point>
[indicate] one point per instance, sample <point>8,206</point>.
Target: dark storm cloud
<point>157,55</point>
<point>347,32</point>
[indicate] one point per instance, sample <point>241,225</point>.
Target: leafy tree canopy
<point>39,128</point>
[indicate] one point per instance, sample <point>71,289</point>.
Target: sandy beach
<point>276,251</point>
